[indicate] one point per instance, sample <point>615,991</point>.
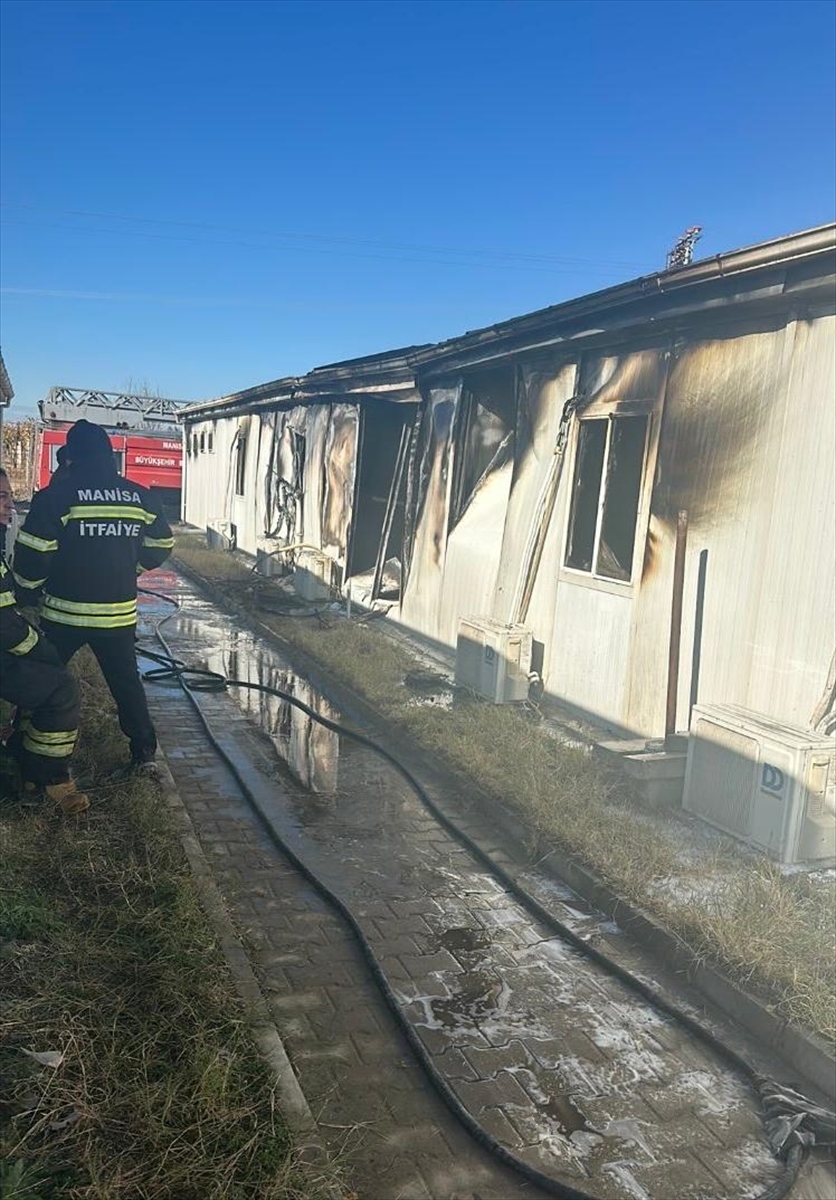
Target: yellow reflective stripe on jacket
<point>56,737</point>
<point>6,598</point>
<point>89,606</point>
<point>87,615</point>
<point>26,645</point>
<point>62,750</point>
<point>36,543</point>
<point>110,512</point>
<point>158,543</point>
<point>87,622</point>
<point>28,583</point>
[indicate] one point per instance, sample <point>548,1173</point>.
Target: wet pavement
<point>557,1060</point>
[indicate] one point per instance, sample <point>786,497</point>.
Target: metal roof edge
<point>389,370</point>
<point>277,390</point>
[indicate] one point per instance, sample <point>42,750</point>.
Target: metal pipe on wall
<point>696,656</point>
<point>676,622</point>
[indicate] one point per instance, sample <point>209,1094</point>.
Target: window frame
<point>592,578</point>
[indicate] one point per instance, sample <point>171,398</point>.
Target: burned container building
<point>531,476</point>
<point>317,463</point>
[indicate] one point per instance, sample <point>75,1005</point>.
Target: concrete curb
<point>292,1102</point>
<point>808,1059</point>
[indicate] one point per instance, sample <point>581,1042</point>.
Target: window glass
<point>621,500</point>
<point>586,491</point>
<point>605,496</point>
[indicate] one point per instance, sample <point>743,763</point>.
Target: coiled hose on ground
<point>793,1124</point>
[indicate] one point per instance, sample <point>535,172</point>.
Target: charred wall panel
<point>482,452</point>
<point>717,460</point>
<point>543,392</point>
<point>795,630</point>
<point>316,431</point>
<point>339,468</point>
<point>430,503</point>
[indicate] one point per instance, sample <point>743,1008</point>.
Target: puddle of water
<point>464,940</point>
<point>478,995</point>
<point>567,1115</point>
<point>310,751</point>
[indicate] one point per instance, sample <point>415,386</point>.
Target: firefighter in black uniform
<point>86,538</point>
<point>33,678</point>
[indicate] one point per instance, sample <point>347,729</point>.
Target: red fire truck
<point>143,431</point>
<point>153,457</point>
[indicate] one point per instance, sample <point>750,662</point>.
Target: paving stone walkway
<point>557,1060</point>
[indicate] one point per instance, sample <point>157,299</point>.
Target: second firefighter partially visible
<point>84,542</point>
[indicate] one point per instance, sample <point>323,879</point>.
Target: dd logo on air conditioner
<point>772,779</point>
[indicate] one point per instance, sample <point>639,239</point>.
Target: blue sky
<point>202,196</point>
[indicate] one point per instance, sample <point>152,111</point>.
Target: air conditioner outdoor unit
<point>313,577</point>
<point>493,659</point>
<point>221,535</point>
<point>771,785</point>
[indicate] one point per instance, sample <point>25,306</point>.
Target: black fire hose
<point>793,1124</point>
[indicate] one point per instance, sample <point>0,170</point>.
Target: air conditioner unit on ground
<point>771,785</point>
<point>313,577</point>
<point>221,535</point>
<point>270,564</point>
<point>493,659</point>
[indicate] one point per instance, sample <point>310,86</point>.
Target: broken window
<point>240,464</point>
<point>484,425</point>
<point>291,492</point>
<point>377,532</point>
<point>605,496</point>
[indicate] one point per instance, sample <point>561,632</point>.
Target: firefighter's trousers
<point>47,699</point>
<point>115,654</point>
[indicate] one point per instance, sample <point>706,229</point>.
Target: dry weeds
<point>157,1092</point>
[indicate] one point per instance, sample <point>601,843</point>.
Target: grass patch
<point>154,1090</point>
<point>773,933</point>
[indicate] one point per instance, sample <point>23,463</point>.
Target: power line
<point>499,257</point>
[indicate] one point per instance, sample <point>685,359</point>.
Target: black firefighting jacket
<point>83,543</point>
<point>17,636</point>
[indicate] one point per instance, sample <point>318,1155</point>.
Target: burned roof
<point>386,376</point>
<point>262,395</point>
<point>389,376</point>
<point>374,362</point>
<point>795,270</point>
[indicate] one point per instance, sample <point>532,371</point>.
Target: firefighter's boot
<point>67,796</point>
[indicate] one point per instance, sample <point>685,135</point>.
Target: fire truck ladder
<point>119,410</point>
